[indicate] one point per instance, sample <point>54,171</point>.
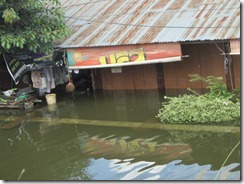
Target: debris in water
<point>22,172</point>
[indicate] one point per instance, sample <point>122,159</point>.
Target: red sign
<point>123,55</point>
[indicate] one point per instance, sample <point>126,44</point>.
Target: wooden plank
<point>217,62</point>
<point>170,79</point>
<point>11,106</point>
<point>208,128</point>
<point>170,76</point>
<point>160,76</point>
<point>12,123</point>
<point>97,78</point>
<point>205,59</point>
<point>19,119</point>
<point>150,76</point>
<point>192,63</point>
<point>106,78</point>
<point>182,76</point>
<point>139,77</point>
<point>124,80</point>
<point>237,70</point>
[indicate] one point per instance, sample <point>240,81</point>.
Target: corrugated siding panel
<point>123,22</point>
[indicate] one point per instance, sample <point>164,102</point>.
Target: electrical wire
<point>98,1</point>
<point>165,12</point>
<point>219,48</point>
<point>141,25</point>
<point>158,12</point>
<point>91,2</point>
<point>59,6</point>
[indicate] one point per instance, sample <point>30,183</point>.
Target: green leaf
<point>9,15</point>
<point>32,21</point>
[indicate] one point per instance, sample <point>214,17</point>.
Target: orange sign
<point>123,55</point>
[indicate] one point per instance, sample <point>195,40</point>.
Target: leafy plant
<point>215,106</point>
<point>217,88</point>
<point>191,109</point>
<point>31,25</point>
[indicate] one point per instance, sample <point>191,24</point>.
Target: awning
<point>21,63</point>
<point>235,47</point>
<point>101,57</point>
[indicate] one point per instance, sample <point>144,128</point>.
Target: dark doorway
<point>82,79</point>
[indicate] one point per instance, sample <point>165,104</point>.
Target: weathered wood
<point>7,124</point>
<point>11,106</point>
<point>208,128</point>
<point>17,104</point>
<point>12,124</point>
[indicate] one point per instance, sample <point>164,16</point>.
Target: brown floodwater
<point>96,137</point>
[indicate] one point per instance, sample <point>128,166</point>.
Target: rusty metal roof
<point>122,22</point>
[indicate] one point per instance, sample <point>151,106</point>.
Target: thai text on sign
<point>122,55</point>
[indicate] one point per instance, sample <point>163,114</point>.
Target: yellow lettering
<point>134,55</point>
<point>103,60</point>
<point>122,57</point>
<point>112,58</point>
<point>137,55</point>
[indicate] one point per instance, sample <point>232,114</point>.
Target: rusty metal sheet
<point>125,22</point>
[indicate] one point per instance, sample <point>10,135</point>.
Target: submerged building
<point>154,44</point>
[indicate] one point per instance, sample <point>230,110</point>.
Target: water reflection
<point>49,151</point>
<point>77,152</point>
<point>143,170</point>
<point>113,105</point>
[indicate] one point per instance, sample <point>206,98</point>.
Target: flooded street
<point>112,136</point>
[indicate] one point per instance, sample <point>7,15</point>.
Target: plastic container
<point>51,98</point>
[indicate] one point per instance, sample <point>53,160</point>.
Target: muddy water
<point>35,145</point>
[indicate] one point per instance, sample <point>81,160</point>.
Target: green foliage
<point>191,109</point>
<point>215,85</point>
<point>31,25</point>
<point>213,107</point>
<point>9,15</point>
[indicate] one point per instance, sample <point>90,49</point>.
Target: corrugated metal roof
<point>121,22</point>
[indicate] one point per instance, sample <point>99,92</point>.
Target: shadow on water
<point>49,151</point>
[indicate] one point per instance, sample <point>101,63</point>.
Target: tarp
<point>100,57</point>
<point>19,64</point>
<point>235,47</point>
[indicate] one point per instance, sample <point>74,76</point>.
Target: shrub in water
<point>192,109</point>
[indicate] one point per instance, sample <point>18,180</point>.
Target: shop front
<point>132,67</point>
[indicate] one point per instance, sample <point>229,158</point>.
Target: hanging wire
<point>163,12</point>
<point>226,61</point>
<point>223,52</point>
<point>97,1</point>
<point>141,25</point>
<point>145,12</point>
